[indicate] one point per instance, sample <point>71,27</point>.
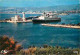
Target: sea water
<point>29,34</point>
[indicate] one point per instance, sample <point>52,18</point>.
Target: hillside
<point>50,8</point>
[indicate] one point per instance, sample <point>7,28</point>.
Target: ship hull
<point>46,21</point>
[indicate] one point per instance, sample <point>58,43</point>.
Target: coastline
<point>21,13</point>
<point>14,47</point>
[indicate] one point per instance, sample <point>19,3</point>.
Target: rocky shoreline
<point>10,46</point>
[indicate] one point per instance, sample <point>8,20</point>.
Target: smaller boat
<point>46,17</point>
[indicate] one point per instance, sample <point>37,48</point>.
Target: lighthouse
<point>23,18</point>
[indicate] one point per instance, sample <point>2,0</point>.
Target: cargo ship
<point>46,17</point>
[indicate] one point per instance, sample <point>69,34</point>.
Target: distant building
<point>18,18</point>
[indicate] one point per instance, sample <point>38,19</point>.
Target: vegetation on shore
<point>12,47</point>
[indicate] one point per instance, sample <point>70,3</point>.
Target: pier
<point>3,21</point>
<point>28,21</point>
<point>59,25</point>
<point>17,19</point>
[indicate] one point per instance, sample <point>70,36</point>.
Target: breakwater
<point>59,25</point>
<point>16,21</point>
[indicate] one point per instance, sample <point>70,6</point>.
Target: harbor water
<point>29,34</point>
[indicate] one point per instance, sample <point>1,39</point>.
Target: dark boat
<point>45,18</point>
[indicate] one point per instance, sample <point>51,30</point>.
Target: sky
<point>36,3</point>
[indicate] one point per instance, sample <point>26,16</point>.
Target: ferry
<point>46,17</point>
